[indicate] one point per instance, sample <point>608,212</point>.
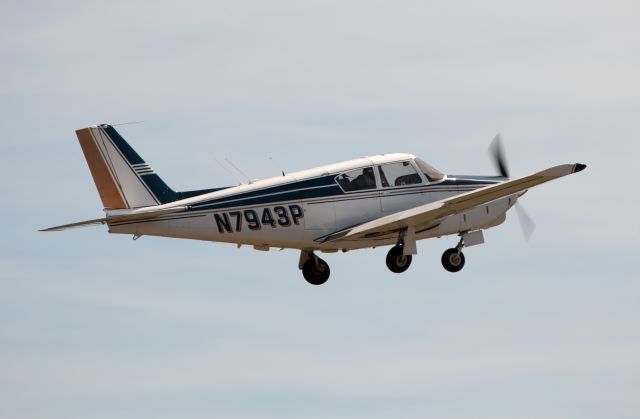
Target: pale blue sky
<point>99,326</point>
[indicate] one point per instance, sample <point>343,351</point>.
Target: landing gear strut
<point>453,259</point>
<point>315,270</point>
<point>397,261</point>
<point>399,256</point>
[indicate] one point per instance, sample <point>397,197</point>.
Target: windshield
<point>401,173</point>
<point>431,173</point>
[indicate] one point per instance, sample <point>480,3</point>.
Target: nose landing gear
<point>453,259</point>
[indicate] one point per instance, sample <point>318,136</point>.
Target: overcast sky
<point>99,326</point>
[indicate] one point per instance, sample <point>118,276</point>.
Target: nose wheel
<point>316,271</point>
<point>397,261</point>
<point>453,259</point>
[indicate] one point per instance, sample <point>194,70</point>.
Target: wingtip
<point>579,167</point>
<point>48,230</point>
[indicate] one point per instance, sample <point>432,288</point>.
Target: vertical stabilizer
<point>122,177</point>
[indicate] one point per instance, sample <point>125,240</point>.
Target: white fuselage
<point>299,209</point>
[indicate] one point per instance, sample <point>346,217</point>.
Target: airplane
<point>383,200</point>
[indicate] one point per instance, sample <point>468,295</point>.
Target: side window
<point>398,174</point>
<point>357,180</point>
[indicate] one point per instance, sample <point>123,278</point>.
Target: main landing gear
<point>315,270</point>
<point>399,256</point>
<point>397,261</point>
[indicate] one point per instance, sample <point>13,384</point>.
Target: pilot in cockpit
<point>366,180</point>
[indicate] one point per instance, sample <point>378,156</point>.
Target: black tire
<point>452,260</point>
<point>396,261</point>
<point>313,275</point>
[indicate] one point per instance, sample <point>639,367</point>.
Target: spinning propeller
<point>497,153</point>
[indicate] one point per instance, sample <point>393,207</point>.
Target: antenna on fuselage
<point>275,163</point>
<point>238,170</point>
<point>126,123</point>
<point>226,169</point>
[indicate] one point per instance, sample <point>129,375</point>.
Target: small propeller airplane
<point>389,199</point>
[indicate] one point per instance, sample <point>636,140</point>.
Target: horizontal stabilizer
<point>86,223</point>
<point>133,215</point>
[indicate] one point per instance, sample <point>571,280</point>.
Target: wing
<point>431,213</point>
<point>123,215</point>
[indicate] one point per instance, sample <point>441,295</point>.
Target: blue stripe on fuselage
<point>326,187</point>
<point>296,190</point>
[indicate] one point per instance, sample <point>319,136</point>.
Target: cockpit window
<point>431,173</point>
<point>398,174</point>
<point>357,180</point>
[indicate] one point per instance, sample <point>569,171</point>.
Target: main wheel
<point>452,260</point>
<point>397,261</point>
<point>316,271</point>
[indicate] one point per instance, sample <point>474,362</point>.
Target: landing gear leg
<point>453,259</point>
<point>399,256</point>
<point>315,270</point>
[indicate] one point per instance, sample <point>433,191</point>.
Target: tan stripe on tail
<point>107,188</point>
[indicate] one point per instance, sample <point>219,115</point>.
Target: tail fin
<point>122,177</point>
